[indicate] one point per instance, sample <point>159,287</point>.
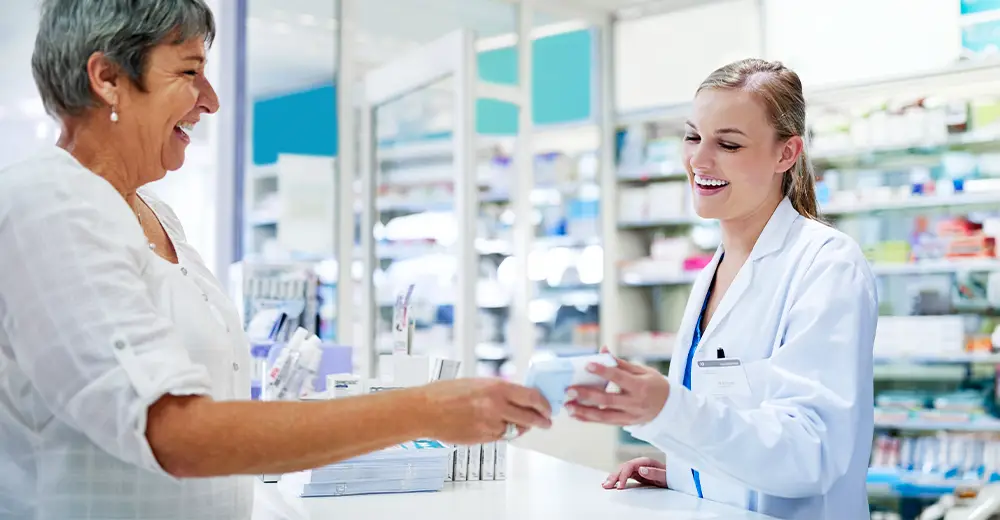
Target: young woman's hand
<point>646,471</point>
<point>643,392</point>
<point>473,410</point>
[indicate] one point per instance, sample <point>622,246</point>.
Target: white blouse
<point>95,328</point>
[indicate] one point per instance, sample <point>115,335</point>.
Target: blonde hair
<point>780,90</point>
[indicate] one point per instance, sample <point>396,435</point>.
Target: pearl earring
<point>114,115</point>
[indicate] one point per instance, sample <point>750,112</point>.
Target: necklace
<point>139,218</point>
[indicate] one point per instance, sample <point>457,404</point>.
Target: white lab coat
<point>801,316</point>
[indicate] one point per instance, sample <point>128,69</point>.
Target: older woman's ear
<point>105,78</point>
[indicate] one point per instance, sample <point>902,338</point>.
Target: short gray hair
<point>70,31</point>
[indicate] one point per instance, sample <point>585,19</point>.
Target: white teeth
<point>185,127</point>
<point>712,183</point>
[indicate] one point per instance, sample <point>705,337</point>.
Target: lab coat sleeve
<point>800,440</point>
<point>81,322</point>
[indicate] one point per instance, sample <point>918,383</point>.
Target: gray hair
<point>70,31</point>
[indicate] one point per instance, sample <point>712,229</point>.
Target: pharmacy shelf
<point>924,202</point>
<point>679,220</point>
<point>847,208</point>
<point>936,267</point>
<point>970,140</point>
<point>912,484</point>
<point>652,173</point>
<point>633,280</point>
<point>985,424</point>
<point>970,78</point>
<point>881,269</point>
<point>933,359</point>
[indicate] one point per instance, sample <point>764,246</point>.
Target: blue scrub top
<point>695,340</point>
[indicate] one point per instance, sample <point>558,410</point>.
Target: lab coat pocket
<point>724,490</point>
<point>679,477</point>
<point>756,377</point>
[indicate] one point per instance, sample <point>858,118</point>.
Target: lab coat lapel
<point>691,312</point>
<point>771,239</point>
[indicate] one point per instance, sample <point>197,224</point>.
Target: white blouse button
<point>236,367</point>
<point>184,271</point>
<point>119,344</point>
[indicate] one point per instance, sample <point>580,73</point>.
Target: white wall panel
<point>850,41</point>
<point>661,60</point>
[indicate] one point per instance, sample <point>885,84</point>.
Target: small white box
<point>500,469</point>
<point>409,371</point>
<point>489,461</point>
<point>461,463</point>
<point>476,462</point>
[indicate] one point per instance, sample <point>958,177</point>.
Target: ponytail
<point>799,185</point>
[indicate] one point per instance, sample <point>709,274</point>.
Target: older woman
<point>123,367</point>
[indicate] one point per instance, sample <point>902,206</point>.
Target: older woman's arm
<point>84,330</point>
<point>196,437</point>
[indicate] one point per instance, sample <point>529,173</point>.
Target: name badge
<point>723,378</point>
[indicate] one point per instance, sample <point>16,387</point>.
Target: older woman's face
<point>176,95</point>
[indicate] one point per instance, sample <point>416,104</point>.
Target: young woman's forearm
<point>198,437</point>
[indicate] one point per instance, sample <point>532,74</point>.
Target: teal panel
<point>305,122</point>
<point>978,6</point>
<point>561,91</point>
<point>301,123</point>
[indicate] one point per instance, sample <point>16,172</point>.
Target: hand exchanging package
<point>554,377</point>
<point>643,392</point>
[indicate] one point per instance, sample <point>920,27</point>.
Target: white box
<point>500,470</point>
<point>409,371</point>
<point>476,462</point>
<point>461,463</point>
<point>489,461</point>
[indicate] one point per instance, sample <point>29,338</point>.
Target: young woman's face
<point>734,162</point>
<point>176,95</point>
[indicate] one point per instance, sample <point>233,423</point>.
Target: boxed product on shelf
<point>902,336</point>
<point>658,201</point>
<point>667,200</point>
<point>633,204</point>
<point>937,460</point>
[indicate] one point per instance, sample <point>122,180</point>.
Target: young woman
<point>768,403</point>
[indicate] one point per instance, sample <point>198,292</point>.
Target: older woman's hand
<point>642,393</point>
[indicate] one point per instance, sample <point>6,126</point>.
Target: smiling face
<point>174,95</point>
<point>734,161</point>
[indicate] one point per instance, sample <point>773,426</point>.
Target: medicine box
<point>489,461</point>
<point>461,463</point>
<point>475,462</point>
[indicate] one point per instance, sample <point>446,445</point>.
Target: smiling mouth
<point>184,130</point>
<point>709,183</point>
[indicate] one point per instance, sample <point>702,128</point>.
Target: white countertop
<point>537,487</point>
